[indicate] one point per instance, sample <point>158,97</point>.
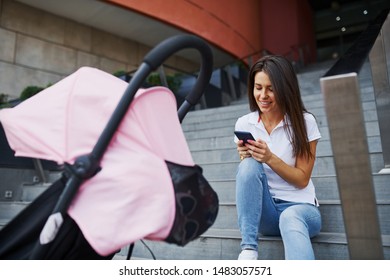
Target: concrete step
<point>211,149</point>
<point>331,211</point>
<point>215,123</point>
<point>30,192</point>
<point>218,244</point>
<point>324,166</point>
<point>326,188</point>
<point>315,106</point>
<point>9,209</point>
<point>21,181</point>
<point>372,129</point>
<point>312,99</point>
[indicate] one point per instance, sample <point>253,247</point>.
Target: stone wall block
<point>87,59</point>
<point>78,36</point>
<point>173,61</point>
<point>31,21</point>
<point>111,66</point>
<point>45,56</point>
<point>110,46</point>
<point>182,63</point>
<point>14,78</point>
<point>131,51</point>
<point>7,45</point>
<point>141,51</point>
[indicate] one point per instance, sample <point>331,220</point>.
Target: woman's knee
<point>250,166</point>
<point>290,216</point>
<point>302,218</point>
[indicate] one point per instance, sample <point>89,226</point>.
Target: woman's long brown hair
<point>287,94</point>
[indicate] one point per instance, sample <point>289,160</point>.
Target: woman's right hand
<point>242,150</point>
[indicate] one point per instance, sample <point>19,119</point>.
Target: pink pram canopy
<point>132,197</point>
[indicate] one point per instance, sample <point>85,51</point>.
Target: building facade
<point>41,43</point>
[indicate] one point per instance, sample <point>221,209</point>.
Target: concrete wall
<point>38,48</point>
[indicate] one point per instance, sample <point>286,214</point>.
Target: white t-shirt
<point>279,144</point>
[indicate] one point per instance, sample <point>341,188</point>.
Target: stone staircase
<point>210,137</point>
<point>209,134</point>
<point>22,188</point>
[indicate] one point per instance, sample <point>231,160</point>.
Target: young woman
<point>274,191</point>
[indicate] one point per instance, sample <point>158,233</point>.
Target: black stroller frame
<point>86,166</point>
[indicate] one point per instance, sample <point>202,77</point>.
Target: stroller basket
<point>56,225</point>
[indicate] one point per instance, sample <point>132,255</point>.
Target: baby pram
<point>137,181</point>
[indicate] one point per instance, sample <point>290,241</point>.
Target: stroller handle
<point>86,166</point>
<point>170,46</point>
<point>152,60</point>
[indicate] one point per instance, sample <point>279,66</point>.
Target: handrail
<point>340,87</point>
<point>354,58</point>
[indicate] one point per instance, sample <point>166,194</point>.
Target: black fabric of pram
<point>8,160</point>
<point>20,235</point>
<point>196,211</point>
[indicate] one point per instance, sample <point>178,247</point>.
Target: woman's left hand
<point>259,150</point>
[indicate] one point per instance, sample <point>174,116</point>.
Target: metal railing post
<point>232,88</point>
<point>163,77</point>
<point>380,79</point>
<point>39,170</point>
<point>353,169</point>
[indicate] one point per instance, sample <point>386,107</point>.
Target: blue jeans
<point>258,212</point>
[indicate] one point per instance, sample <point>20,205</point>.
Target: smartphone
<point>244,135</point>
